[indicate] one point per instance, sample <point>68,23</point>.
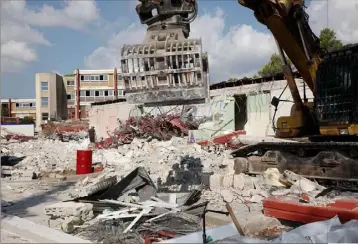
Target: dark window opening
<point>240,112</point>
<point>88,93</point>
<point>96,93</point>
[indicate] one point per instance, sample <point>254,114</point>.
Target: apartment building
<point>51,98</point>
<point>69,83</point>
<point>18,108</point>
<point>94,86</point>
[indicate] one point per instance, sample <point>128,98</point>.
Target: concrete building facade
<point>51,98</point>
<point>19,108</point>
<point>94,86</point>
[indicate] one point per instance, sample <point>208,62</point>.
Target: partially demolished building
<point>167,68</point>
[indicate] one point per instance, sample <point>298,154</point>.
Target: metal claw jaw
<point>169,72</point>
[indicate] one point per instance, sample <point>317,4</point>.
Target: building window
<point>110,93</point>
<point>88,93</point>
<point>44,116</point>
<point>91,93</point>
<point>70,83</point>
<point>69,97</point>
<point>101,93</point>
<point>17,105</point>
<point>44,86</point>
<point>106,93</point>
<point>120,92</point>
<point>94,78</point>
<point>103,77</point>
<point>82,93</point>
<point>119,77</point>
<point>96,93</point>
<point>44,101</point>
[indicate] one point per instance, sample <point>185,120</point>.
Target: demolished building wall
<point>224,113</point>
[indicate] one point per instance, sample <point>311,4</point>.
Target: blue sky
<point>59,36</point>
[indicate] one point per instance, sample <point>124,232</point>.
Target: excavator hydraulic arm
<point>288,23</point>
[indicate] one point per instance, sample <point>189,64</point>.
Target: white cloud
<point>342,18</point>
<point>239,52</point>
<point>18,28</point>
<point>15,54</point>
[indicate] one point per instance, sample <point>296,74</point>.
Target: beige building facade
<point>51,98</point>
<point>19,108</point>
<point>96,86</point>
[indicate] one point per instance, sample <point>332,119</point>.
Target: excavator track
<point>332,164</point>
<point>300,148</point>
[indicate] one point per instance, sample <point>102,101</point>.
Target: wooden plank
<point>144,211</point>
<point>115,214</point>
<point>133,205</point>
<point>161,215</point>
<point>160,205</point>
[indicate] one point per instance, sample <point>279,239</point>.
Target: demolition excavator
<point>321,135</point>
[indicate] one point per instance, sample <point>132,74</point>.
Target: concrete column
<point>115,83</point>
<point>9,108</point>
<point>77,105</point>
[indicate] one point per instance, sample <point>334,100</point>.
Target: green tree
<point>256,76</point>
<point>232,79</point>
<point>328,40</point>
<point>27,120</point>
<point>4,111</point>
<point>273,67</point>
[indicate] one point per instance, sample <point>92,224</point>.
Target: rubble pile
<point>173,163</point>
<point>28,160</point>
<point>65,131</point>
<point>161,127</point>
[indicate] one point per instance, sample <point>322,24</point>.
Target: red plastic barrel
<point>84,162</point>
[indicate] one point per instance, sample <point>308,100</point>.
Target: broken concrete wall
<point>221,115</point>
<point>260,112</point>
<point>220,112</point>
<point>218,115</point>
<point>105,117</point>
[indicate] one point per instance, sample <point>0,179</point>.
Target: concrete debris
<point>69,224</point>
<point>258,223</point>
<point>89,187</point>
<point>65,131</point>
<point>42,157</point>
<point>133,174</point>
<point>64,210</point>
<point>272,177</point>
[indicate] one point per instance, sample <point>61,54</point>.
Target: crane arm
<point>288,23</point>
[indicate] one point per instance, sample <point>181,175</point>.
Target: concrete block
<point>272,177</point>
<point>256,199</point>
<point>228,181</point>
<point>241,165</point>
<point>239,181</point>
<point>68,209</point>
<point>227,195</point>
<point>99,184</point>
<point>216,181</point>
